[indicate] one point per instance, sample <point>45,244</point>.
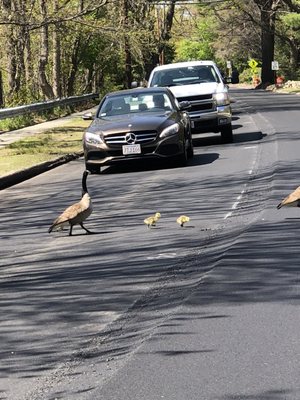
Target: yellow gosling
<point>182,220</point>
<point>151,221</point>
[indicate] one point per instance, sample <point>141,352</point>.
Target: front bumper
<point>103,155</point>
<point>211,120</point>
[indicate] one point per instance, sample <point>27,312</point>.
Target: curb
<point>21,176</point>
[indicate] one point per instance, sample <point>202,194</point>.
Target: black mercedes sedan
<point>133,124</point>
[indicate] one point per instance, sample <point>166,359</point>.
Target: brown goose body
<point>292,200</point>
<point>77,213</point>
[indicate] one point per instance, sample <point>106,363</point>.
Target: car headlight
<point>170,130</point>
<point>222,99</point>
<point>93,138</point>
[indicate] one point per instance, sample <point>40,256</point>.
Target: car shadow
<point>140,165</point>
<point>213,139</point>
<point>202,159</point>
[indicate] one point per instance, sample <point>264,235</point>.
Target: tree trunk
<point>267,44</point>
<point>11,61</point>
<point>74,58</point>
<point>21,33</point>
<point>294,59</point>
<point>127,50</point>
<point>1,91</point>
<point>74,67</point>
<point>165,34</point>
<point>11,65</point>
<point>268,10</point>
<point>44,55</point>
<point>28,61</point>
<point>56,55</point>
<point>88,80</point>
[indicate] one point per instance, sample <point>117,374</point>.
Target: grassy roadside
<point>43,146</point>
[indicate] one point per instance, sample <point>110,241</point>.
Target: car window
<point>136,103</point>
<point>185,76</point>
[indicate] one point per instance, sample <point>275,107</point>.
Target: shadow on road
<point>142,166</point>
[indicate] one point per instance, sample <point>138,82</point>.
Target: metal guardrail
<point>46,105</point>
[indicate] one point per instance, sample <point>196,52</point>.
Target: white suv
<point>200,83</point>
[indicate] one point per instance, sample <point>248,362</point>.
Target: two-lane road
<point>169,312</point>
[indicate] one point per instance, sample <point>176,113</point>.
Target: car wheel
<point>226,133</point>
<point>181,160</point>
<point>94,169</point>
<point>190,150</point>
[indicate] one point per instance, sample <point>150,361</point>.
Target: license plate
<point>131,149</point>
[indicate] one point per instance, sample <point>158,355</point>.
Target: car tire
<point>181,160</point>
<point>94,169</point>
<point>226,134</point>
<point>190,150</point>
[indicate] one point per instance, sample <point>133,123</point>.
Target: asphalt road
<point>209,311</point>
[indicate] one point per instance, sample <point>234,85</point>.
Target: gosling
<point>182,220</point>
<point>151,221</point>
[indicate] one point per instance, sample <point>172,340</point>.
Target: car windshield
<point>135,103</point>
<point>185,76</point>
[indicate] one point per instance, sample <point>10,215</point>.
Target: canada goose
<point>77,213</point>
<point>182,220</point>
<point>151,221</point>
<point>292,200</point>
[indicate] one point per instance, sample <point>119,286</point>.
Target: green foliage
<point>200,48</point>
<point>246,76</point>
<point>292,23</point>
<point>191,50</point>
<point>288,44</point>
<point>10,124</point>
<point>92,44</point>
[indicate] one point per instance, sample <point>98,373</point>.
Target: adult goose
<point>77,213</point>
<point>292,200</point>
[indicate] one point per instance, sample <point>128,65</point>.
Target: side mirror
<point>185,105</point>
<point>88,116</point>
<point>227,79</point>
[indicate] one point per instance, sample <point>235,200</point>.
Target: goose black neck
<point>84,187</point>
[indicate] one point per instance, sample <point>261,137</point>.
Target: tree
<point>268,10</point>
<point>45,86</point>
<point>288,39</point>
<point>34,45</point>
<point>1,91</point>
<point>56,55</point>
<point>201,47</point>
<point>249,29</point>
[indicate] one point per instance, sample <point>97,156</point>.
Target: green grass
<point>42,147</point>
<point>10,124</point>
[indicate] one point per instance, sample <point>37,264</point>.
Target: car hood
<point>198,88</point>
<point>134,122</point>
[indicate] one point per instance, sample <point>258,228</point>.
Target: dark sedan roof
<point>139,91</point>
